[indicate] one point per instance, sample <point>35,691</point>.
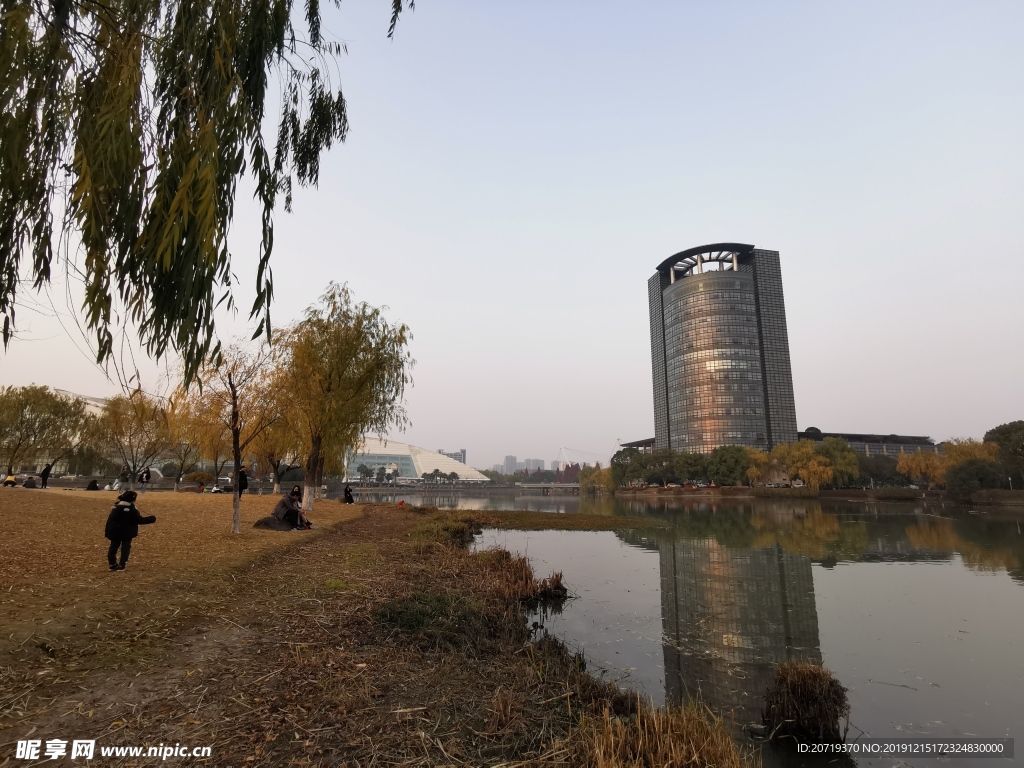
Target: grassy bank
<point>376,639</point>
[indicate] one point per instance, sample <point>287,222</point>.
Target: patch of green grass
<point>450,528</point>
<point>436,619</point>
<point>361,554</point>
<point>337,585</point>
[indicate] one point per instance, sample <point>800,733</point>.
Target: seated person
<point>10,482</point>
<point>289,508</point>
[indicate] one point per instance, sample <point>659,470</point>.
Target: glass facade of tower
<point>720,351</point>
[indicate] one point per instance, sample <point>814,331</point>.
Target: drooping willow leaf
<point>134,121</point>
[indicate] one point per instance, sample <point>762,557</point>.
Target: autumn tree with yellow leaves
<point>923,467</point>
<point>342,371</point>
<point>800,459</point>
<point>132,429</point>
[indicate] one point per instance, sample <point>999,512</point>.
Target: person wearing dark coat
<point>45,475</point>
<point>289,507</point>
<point>123,526</point>
<point>243,481</point>
<point>349,499</point>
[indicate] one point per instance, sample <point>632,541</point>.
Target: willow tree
<point>133,430</point>
<point>842,458</point>
<point>132,122</point>
<point>276,448</point>
<point>38,425</point>
<point>801,459</point>
<point>342,371</point>
<point>185,425</point>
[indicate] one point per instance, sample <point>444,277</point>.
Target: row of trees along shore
<point>962,467</point>
<point>305,399</point>
<point>368,474</point>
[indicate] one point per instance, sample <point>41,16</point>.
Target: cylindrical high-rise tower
<point>720,350</point>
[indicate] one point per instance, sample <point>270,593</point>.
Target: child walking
<point>123,526</point>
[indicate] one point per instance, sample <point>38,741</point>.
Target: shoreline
<point>378,637</point>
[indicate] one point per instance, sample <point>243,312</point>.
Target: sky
<point>515,172</point>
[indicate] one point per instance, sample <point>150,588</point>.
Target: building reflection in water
<point>728,615</point>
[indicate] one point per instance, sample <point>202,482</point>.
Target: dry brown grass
<point>806,703</point>
<point>276,648</point>
<point>680,736</point>
<point>53,554</point>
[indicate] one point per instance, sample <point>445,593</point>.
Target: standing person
<point>144,478</point>
<point>243,481</point>
<point>289,507</point>
<point>349,499</point>
<point>45,475</point>
<point>123,526</point>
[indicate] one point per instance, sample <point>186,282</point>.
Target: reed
<point>806,703</point>
<point>675,736</point>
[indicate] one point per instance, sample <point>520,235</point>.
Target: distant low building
<point>644,446</point>
<point>876,445</point>
<point>410,461</point>
<point>93,405</point>
<point>459,455</point>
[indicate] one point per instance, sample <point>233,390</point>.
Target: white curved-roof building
<point>411,461</point>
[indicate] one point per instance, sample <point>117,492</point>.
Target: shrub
<point>201,478</point>
<point>971,476</point>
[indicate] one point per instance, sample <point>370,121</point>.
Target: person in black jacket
<point>44,476</point>
<point>123,526</point>
<point>243,480</point>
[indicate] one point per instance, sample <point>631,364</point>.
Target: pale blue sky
<point>515,171</point>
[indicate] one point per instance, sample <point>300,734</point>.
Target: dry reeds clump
<point>551,588</point>
<point>512,579</point>
<point>683,736</point>
<point>806,702</point>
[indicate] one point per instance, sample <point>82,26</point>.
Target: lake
<point>917,609</point>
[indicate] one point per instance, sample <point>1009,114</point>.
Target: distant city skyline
<point>518,167</point>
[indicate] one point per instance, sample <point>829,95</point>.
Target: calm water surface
<point>919,610</point>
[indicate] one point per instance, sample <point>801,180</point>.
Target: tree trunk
<point>320,478</point>
<point>312,463</point>
<point>236,453</point>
